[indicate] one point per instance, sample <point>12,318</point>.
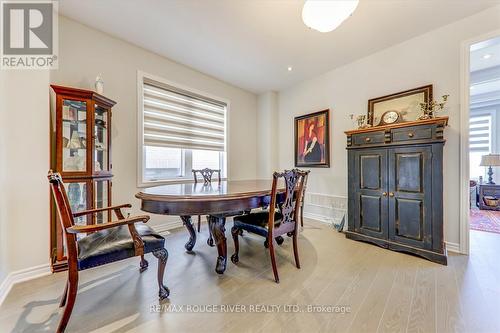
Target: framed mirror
<point>406,103</point>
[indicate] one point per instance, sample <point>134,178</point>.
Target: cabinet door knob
<point>411,135</point>
<point>384,194</point>
<point>391,194</point>
<point>368,139</point>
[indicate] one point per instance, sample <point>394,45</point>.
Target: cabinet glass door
<point>74,132</point>
<point>101,195</point>
<point>77,195</point>
<point>101,145</point>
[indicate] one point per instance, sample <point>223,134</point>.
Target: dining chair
<point>272,224</point>
<point>102,244</point>
<point>304,187</point>
<point>206,175</point>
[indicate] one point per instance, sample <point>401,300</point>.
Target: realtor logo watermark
<point>29,35</point>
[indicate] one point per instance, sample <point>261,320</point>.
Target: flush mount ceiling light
<point>327,15</point>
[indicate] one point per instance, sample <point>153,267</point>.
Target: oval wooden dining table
<point>217,200</point>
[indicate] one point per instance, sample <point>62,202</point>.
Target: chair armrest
<point>76,229</point>
<point>97,210</point>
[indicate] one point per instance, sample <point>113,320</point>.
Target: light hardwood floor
<point>385,291</point>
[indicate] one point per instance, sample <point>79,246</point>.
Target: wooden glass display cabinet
<point>81,153</point>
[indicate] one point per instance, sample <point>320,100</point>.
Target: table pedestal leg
<point>186,220</point>
<point>217,226</point>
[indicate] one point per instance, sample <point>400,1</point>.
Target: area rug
<point>485,220</point>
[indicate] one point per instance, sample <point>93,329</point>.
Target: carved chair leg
<point>235,232</point>
<point>273,261</point>
<point>302,214</point>
<point>296,249</point>
<point>210,240</point>
<point>70,302</point>
<point>64,296</point>
<point>199,223</point>
<point>144,264</point>
<point>162,256</point>
<point>217,224</point>
<point>186,220</point>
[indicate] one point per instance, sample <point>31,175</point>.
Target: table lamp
<point>489,161</point>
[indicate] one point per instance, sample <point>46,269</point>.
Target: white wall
<point>430,58</point>
<point>3,167</point>
<point>24,162</point>
<point>267,122</point>
<point>85,52</point>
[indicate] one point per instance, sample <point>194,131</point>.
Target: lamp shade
<point>490,160</point>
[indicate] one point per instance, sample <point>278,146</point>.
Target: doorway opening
<point>484,138</point>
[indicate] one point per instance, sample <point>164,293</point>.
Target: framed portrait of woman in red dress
<point>312,140</point>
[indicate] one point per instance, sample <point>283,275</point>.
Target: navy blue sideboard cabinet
<point>395,194</point>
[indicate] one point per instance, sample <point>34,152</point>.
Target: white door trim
<point>464,136</point>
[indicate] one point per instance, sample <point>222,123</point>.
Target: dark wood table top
<point>226,189</point>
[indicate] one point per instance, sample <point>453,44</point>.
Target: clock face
<point>390,117</point>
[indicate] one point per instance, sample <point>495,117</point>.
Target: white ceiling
<point>250,43</point>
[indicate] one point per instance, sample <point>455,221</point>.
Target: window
<point>480,142</point>
<point>179,130</point>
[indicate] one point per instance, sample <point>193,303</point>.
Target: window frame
<point>487,112</point>
<point>188,178</point>
<point>492,112</point>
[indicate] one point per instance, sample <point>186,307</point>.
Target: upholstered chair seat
<point>115,244</point>
<point>257,222</point>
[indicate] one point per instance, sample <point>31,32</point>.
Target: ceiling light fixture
<point>487,56</point>
<point>289,68</point>
<point>327,15</point>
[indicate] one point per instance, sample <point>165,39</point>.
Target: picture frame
<point>406,103</point>
<point>312,139</point>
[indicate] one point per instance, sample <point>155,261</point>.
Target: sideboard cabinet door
<point>410,201</point>
<point>368,186</point>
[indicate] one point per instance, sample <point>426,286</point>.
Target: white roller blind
<point>480,133</point>
<point>179,119</point>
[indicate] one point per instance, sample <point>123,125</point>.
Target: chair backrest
<point>63,210</point>
<point>304,187</point>
<point>206,174</point>
<point>294,190</point>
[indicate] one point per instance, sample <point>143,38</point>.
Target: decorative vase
<point>99,84</point>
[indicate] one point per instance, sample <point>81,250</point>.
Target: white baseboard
<point>453,247</point>
<point>20,276</point>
